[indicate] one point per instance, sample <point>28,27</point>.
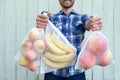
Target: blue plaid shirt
<point>73,28</point>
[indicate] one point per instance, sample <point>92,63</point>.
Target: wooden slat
<point>78,6</point>
<point>54,6</point>
<point>43,5</point>
<point>108,31</point>
<point>2,40</point>
<point>9,39</point>
<point>87,9</point>
<point>32,6</point>
<point>21,31</point>
<point>17,17</point>
<point>31,9</point>
<point>97,9</point>
<point>116,38</point>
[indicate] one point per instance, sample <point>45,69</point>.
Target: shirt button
<point>64,71</point>
<point>66,33</point>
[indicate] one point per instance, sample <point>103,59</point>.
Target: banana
<point>60,44</point>
<point>51,46</point>
<point>54,64</point>
<point>59,58</point>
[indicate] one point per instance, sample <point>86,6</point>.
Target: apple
<point>39,46</point>
<point>32,66</point>
<point>30,55</point>
<point>97,43</point>
<point>26,45</point>
<point>105,58</point>
<point>22,61</point>
<point>87,59</point>
<point>83,42</point>
<point>34,34</point>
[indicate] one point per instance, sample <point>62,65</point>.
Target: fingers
<point>42,16</point>
<point>49,14</point>
<point>95,19</point>
<point>41,21</point>
<point>95,23</point>
<point>95,28</point>
<point>44,20</point>
<point>41,24</point>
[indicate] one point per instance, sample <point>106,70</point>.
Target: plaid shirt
<point>73,28</point>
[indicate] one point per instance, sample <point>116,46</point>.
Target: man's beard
<point>67,6</point>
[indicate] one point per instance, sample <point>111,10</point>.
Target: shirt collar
<point>72,12</point>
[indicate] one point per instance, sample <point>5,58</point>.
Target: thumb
<point>93,16</point>
<point>49,13</point>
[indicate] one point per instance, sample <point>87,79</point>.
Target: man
<point>73,26</point>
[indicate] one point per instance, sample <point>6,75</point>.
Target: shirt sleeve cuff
<point>84,18</point>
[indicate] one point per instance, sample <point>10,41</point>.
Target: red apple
<point>26,45</point>
<point>32,66</point>
<point>30,55</point>
<point>87,59</point>
<point>97,43</point>
<point>83,42</point>
<point>39,46</point>
<point>105,58</point>
<point>34,34</point>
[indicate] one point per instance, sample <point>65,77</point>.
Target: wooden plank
<point>2,40</point>
<point>43,5</point>
<point>97,9</point>
<point>53,6</point>
<point>78,6</point>
<point>31,15</point>
<point>9,39</point>
<point>87,9</point>
<point>18,16</point>
<point>116,38</point>
<point>21,31</point>
<point>32,6</point>
<point>108,31</point>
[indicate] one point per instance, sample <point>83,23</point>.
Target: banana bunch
<point>55,45</point>
<point>59,58</point>
<point>53,64</point>
<point>58,54</point>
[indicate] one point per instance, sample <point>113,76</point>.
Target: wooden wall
<point>17,17</point>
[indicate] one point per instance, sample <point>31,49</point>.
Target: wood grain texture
<point>17,17</point>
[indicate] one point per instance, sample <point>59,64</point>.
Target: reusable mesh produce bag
<point>59,53</point>
<point>30,49</point>
<point>94,51</point>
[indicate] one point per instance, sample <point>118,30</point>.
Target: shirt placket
<point>66,70</point>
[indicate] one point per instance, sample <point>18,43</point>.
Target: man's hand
<point>42,20</point>
<point>94,23</point>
